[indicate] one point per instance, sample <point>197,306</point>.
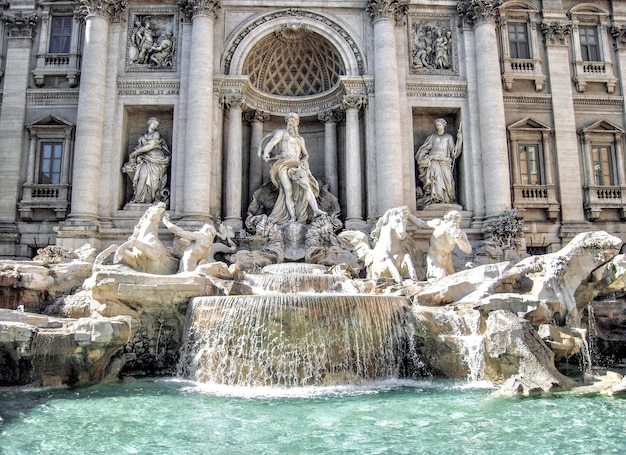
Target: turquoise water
<point>175,417</point>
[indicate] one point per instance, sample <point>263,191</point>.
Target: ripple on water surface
<point>412,417</point>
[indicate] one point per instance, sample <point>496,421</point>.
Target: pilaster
<point>557,32</point>
<point>20,32</point>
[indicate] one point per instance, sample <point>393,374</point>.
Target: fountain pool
<point>399,417</point>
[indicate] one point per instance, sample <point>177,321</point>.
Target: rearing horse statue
<point>390,257</point>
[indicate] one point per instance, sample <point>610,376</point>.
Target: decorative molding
<point>557,33</point>
<point>44,98</point>
<point>294,13</point>
<point>604,101</point>
<point>21,25</point>
<point>332,115</point>
<point>256,116</point>
<point>436,89</point>
<point>528,99</point>
<point>476,12</point>
<point>619,34</point>
<point>109,9</point>
<point>233,101</point>
<point>353,102</point>
<point>148,87</point>
<point>191,8</point>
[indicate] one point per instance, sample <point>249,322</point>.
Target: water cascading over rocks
<point>291,339</point>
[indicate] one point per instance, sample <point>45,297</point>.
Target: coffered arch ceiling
<point>294,61</point>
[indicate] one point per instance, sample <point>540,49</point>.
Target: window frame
<point>516,68</point>
<point>56,157</point>
<point>63,37</point>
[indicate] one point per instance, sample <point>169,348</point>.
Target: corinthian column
<point>234,162</point>
<point>481,15</point>
<point>354,172</point>
<point>12,119</point>
<point>330,119</point>
<point>200,156</point>
<point>256,119</point>
<point>90,114</point>
<point>387,109</point>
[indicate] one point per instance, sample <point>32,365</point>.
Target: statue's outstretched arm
<point>268,143</point>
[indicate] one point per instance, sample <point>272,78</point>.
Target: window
<point>531,168</point>
<point>50,164</point>
<point>589,44</point>
<point>602,162</point>
<point>61,34</point>
<point>518,41</point>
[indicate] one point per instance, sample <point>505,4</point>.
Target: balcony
<point>57,65</point>
<point>527,197</point>
<point>44,197</point>
<point>602,72</point>
<point>598,198</point>
<point>519,68</point>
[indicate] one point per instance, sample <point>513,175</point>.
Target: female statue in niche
<point>147,166</point>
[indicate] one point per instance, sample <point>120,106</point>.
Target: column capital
<point>256,116</point>
<point>109,9</point>
<point>353,102</point>
<point>330,115</point>
<point>386,9</point>
<point>233,101</point>
<point>192,8</point>
<point>619,34</point>
<point>557,33</point>
<point>478,11</point>
<point>22,25</point>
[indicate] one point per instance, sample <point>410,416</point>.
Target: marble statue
<point>147,166</point>
<point>199,247</point>
<point>446,235</point>
<point>143,250</point>
<point>290,173</point>
<point>435,161</point>
<point>391,255</point>
<point>198,243</point>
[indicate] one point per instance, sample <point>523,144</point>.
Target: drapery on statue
<point>446,235</point>
<point>435,162</point>
<point>148,164</point>
<point>390,257</point>
<point>290,173</point>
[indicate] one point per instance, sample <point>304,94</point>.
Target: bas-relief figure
<point>290,173</point>
<point>432,47</point>
<point>435,162</point>
<point>147,166</point>
<point>151,42</point>
<point>447,234</point>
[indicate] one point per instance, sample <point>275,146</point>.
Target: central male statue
<point>290,173</point>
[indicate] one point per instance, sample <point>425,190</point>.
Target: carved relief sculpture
<point>431,47</point>
<point>151,43</point>
<point>435,162</point>
<point>147,166</point>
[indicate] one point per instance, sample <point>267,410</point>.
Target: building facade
<point>532,93</point>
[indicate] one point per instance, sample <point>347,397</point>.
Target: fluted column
<point>354,168</point>
<point>12,116</point>
<point>557,33</point>
<point>330,119</point>
<point>90,114</point>
<point>234,162</point>
<point>389,160</point>
<point>256,119</point>
<point>200,156</point>
<point>481,15</point>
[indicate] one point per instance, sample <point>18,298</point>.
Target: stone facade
<point>535,87</point>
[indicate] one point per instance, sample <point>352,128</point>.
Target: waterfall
<point>296,339</point>
<point>465,332</point>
